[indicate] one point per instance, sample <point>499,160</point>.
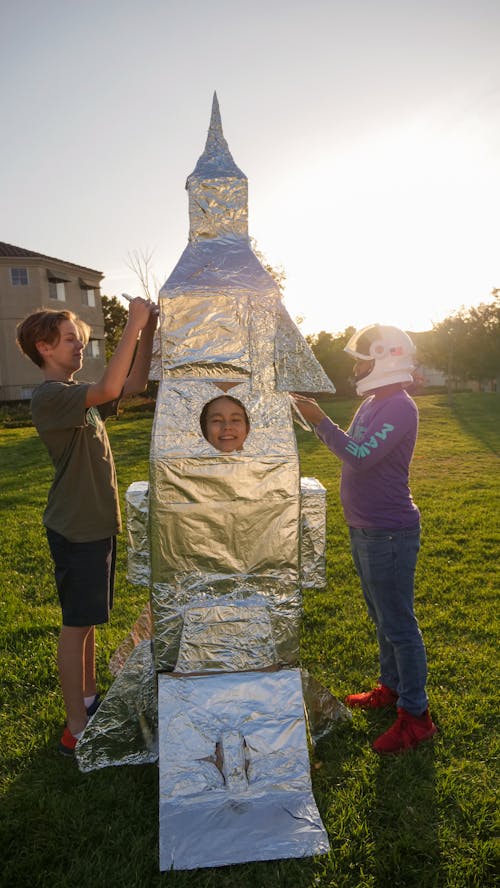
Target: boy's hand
<point>141,311</point>
<point>154,311</point>
<point>309,409</point>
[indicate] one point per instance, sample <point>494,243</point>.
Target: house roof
<point>10,251</point>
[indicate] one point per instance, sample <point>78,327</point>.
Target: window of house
<point>19,277</point>
<point>93,349</point>
<point>57,290</point>
<point>88,297</point>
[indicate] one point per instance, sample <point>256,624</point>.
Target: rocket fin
<point>297,367</point>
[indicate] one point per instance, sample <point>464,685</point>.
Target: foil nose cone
<point>216,161</point>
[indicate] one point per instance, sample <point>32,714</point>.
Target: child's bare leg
<point>70,663</point>
<point>89,680</point>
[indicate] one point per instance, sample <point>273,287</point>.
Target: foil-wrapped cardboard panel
<point>142,630</point>
<point>123,731</point>
<point>176,429</point>
<point>199,331</point>
<point>218,206</point>
<point>137,511</point>
<point>277,593</point>
<point>297,367</point>
<point>221,535</point>
<point>233,637</point>
<point>313,533</point>
<point>234,771</point>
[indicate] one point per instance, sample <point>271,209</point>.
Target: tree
<point>465,345</point>
<point>141,263</point>
<point>329,350</point>
<point>115,318</point>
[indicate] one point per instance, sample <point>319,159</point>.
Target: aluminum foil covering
<point>222,318</point>
<point>217,188</point>
<point>313,533</point>
<point>221,314</point>
<point>124,729</point>
<point>155,367</point>
<point>224,530</point>
<point>297,367</point>
<point>234,771</point>
<point>142,630</point>
<point>137,511</point>
<point>221,329</point>
<point>232,637</point>
<point>323,710</point>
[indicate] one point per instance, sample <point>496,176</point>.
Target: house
<point>30,280</point>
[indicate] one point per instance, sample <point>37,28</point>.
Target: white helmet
<point>389,352</point>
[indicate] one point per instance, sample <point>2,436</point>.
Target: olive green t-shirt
<point>83,501</point>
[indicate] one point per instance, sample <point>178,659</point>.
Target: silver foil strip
<point>137,511</point>
<point>141,630</point>
<point>123,731</point>
<point>234,771</point>
<point>313,533</point>
<point>323,710</point>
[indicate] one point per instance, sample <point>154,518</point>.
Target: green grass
<point>423,819</point>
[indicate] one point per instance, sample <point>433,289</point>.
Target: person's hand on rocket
<point>308,408</point>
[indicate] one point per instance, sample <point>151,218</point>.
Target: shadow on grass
<point>404,819</point>
<point>479,415</point>
<point>59,827</point>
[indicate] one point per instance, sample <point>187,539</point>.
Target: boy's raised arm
<point>113,380</point>
<point>137,379</point>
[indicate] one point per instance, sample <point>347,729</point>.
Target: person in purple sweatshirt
<point>384,523</point>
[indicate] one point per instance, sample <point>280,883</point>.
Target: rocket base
<point>234,770</point>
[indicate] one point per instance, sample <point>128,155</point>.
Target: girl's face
<point>226,425</point>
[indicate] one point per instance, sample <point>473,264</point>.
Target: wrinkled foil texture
<point>313,533</point>
<point>234,325</point>
<point>235,784</point>
<point>322,709</point>
<point>296,366</point>
<point>224,531</point>
<point>141,630</point>
<point>137,512</point>
<point>124,729</point>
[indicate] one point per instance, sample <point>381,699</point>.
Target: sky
<point>369,131</point>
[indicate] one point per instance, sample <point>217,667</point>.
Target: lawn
<point>422,819</point>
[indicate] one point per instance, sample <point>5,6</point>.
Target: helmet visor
<point>360,343</point>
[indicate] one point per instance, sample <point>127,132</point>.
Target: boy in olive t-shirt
<point>82,516</point>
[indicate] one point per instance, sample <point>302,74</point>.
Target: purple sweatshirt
<point>376,452</point>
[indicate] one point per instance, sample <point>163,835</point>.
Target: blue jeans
<point>385,561</point>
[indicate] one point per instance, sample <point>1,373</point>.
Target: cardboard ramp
<point>234,770</point>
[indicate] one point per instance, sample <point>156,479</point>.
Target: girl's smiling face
<point>226,425</point>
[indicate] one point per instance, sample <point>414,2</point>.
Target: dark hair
<point>204,412</point>
<point>43,326</point>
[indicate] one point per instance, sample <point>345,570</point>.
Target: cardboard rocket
<point>225,542</point>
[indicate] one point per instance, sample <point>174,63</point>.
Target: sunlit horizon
<point>369,134</point>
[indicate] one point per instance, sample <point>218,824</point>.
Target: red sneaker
<point>67,743</point>
<point>378,698</point>
<point>406,733</point>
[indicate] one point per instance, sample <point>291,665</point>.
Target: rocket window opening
<point>224,423</point>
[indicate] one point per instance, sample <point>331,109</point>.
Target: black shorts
<point>84,574</point>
